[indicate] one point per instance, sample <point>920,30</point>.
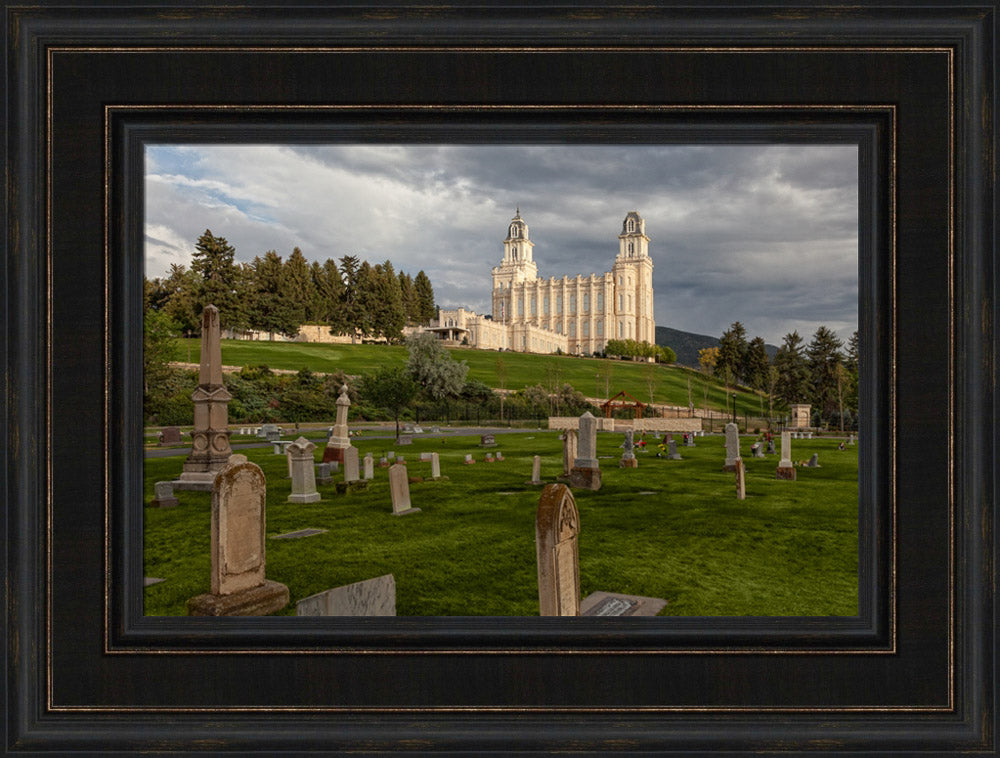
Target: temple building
<point>576,315</point>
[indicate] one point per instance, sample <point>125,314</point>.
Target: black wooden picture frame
<point>88,85</point>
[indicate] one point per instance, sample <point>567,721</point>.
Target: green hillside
<point>588,375</point>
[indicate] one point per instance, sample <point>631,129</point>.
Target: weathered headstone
<point>785,468</point>
<point>351,464</point>
<point>164,495</point>
<point>672,453</point>
<point>300,457</point>
<point>391,456</point>
<point>732,446</point>
<point>435,466</point>
<point>210,448</point>
<point>757,448</point>
<point>424,457</point>
<point>383,462</point>
<point>405,439</point>
<point>536,471</point>
<point>369,472</point>
<point>171,435</point>
<point>586,472</point>
<point>487,440</point>
<point>569,438</point>
<point>340,438</point>
<point>770,447</point>
<point>267,431</point>
<point>617,604</point>
<point>399,489</point>
<point>689,440</point>
<point>499,456</point>
<point>628,459</point>
<point>741,482</point>
<point>323,474</point>
<point>490,458</point>
<point>238,583</point>
<point>468,459</point>
<point>850,440</point>
<point>372,597</point>
<point>557,526</point>
<point>814,461</point>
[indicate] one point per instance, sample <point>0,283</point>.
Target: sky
<point>762,234</point>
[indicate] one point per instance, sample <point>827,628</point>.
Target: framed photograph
<point>94,90</point>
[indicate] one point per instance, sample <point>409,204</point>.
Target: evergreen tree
<point>732,360</point>
<point>824,356</point>
<point>425,310</point>
<point>272,308</point>
<point>366,300</point>
<point>329,288</point>
<point>348,312</point>
<point>392,389</point>
<point>390,315</point>
<point>409,297</point>
<point>298,284</point>
<point>792,382</point>
<point>179,299</point>
<point>758,365</point>
<point>213,262</point>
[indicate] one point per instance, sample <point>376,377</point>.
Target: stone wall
<point>639,424</point>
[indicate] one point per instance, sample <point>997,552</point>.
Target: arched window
<point>630,249</point>
<point>621,302</point>
<point>621,330</point>
<point>586,328</point>
<point>631,228</point>
<point>513,252</point>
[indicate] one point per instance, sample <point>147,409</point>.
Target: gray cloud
<point>762,234</point>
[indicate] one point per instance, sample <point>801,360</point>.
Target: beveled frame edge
<point>974,730</point>
<point>871,127</point>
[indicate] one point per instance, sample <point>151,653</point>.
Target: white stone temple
<point>576,315</point>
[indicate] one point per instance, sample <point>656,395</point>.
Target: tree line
<point>823,373</point>
<point>277,296</point>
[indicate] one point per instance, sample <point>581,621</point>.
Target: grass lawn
<point>670,383</point>
<point>669,529</point>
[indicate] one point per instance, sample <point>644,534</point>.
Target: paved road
<point>368,435</point>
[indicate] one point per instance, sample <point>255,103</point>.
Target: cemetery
<point>671,529</point>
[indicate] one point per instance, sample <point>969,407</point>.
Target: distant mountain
<point>687,344</point>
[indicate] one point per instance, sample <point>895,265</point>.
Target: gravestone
<point>536,471</point>
<point>399,489</point>
<point>340,438</point>
<point>499,456</point>
<point>352,481</point>
<point>757,449</point>
<point>628,459</point>
<point>171,435</point>
<point>487,440</point>
<point>435,430</point>
<point>210,448</point>
<point>383,462</point>
<point>300,457</point>
<point>372,597</point>
<point>369,472</point>
<point>351,465</point>
<point>689,440</point>
<point>732,446</point>
<point>435,466</point>
<point>164,495</point>
<point>490,458</point>
<point>586,472</point>
<point>569,438</point>
<point>850,440</point>
<point>391,456</point>
<point>617,604</point>
<point>814,461</point>
<point>557,526</point>
<point>741,481</point>
<point>468,459</point>
<point>405,439</point>
<point>238,583</point>
<point>785,468</point>
<point>280,446</point>
<point>672,453</point>
<point>407,428</point>
<point>770,447</point>
<point>424,457</point>
<point>268,430</point>
<point>400,459</point>
<point>323,474</point>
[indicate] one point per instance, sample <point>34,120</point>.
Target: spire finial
<point>517,211</point>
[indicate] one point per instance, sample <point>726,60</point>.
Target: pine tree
<point>792,382</point>
<point>297,284</point>
<point>390,316</point>
<point>273,310</point>
<point>731,363</point>
<point>180,301</point>
<point>757,365</point>
<point>409,297</point>
<point>329,288</point>
<point>213,261</point>
<point>824,356</point>
<point>425,311</point>
<point>347,318</point>
<point>366,300</point>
